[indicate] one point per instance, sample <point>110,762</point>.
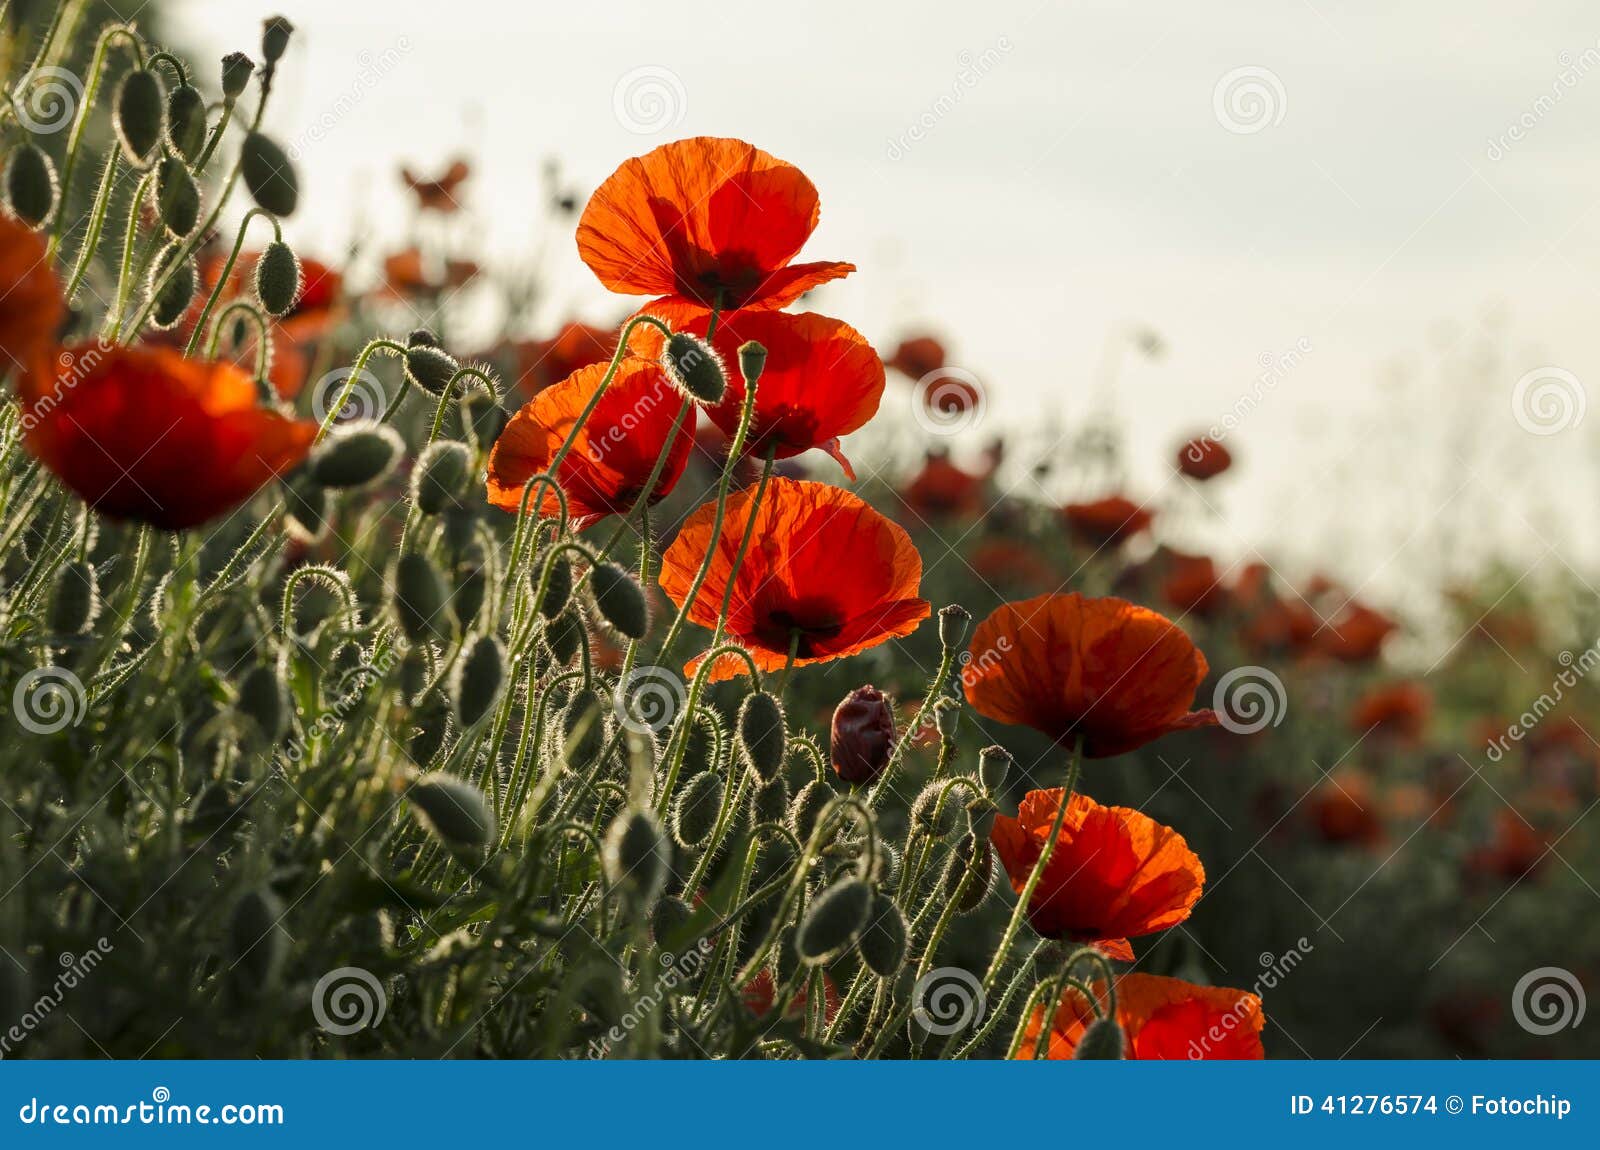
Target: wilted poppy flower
<point>1399,708</point>
<point>824,571</point>
<point>1192,584</point>
<point>862,735</point>
<point>942,490</point>
<point>1115,873</point>
<point>917,356</point>
<point>605,470</point>
<point>709,220</point>
<point>142,433</point>
<point>1161,1018</point>
<point>1101,670</point>
<point>1357,635</point>
<point>542,363</point>
<point>1108,521</point>
<point>822,380</point>
<point>31,308</point>
<point>438,194</point>
<point>1204,458</point>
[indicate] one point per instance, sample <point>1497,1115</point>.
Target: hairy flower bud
<point>620,600</point>
<point>428,365</point>
<point>771,800</point>
<point>186,122</point>
<point>177,197</point>
<point>355,455</point>
<point>762,733</point>
<point>694,367</point>
<point>637,856</point>
<point>418,597</point>
<point>563,635</point>
<point>278,278</point>
<point>694,812</point>
<point>974,860</point>
<point>882,945</point>
<point>31,189</point>
<point>177,292</point>
<point>807,807</point>
<point>671,915</point>
<point>557,587</point>
<point>139,115</point>
<point>478,679</point>
<point>933,812</point>
<point>305,509</point>
<point>1102,1038</point>
<point>862,737</point>
<point>269,175</point>
<point>835,919</point>
<point>454,810</point>
<point>583,726</point>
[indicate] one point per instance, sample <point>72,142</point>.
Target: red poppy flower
<point>1345,810</point>
<point>713,221</point>
<point>1516,851</point>
<point>1102,670</point>
<point>1002,562</point>
<point>759,992</point>
<point>1192,584</point>
<point>1204,458</point>
<point>1106,522</point>
<point>1281,626</point>
<point>142,433</point>
<point>821,380</point>
<point>403,274</point>
<point>1357,635</point>
<point>438,194</point>
<point>824,570</point>
<point>542,363</point>
<point>1115,873</point>
<point>31,307</point>
<point>941,490</point>
<point>606,469</point>
<point>1161,1018</point>
<point>1400,708</point>
<point>917,356</point>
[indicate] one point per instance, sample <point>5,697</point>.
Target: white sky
<point>1083,180</point>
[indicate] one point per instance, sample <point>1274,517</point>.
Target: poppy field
<point>698,686</point>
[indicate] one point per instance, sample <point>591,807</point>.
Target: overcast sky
<point>1403,194</point>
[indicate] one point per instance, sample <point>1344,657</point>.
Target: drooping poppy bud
<point>355,455</point>
<point>418,597</point>
<point>694,367</point>
<point>637,856</point>
<point>482,416</point>
<point>31,187</point>
<point>428,365</point>
<point>178,290</point>
<point>186,122</point>
<point>269,175</point>
<point>583,726</point>
<point>762,733</point>
<point>236,71</point>
<point>563,635</point>
<point>771,800</point>
<point>694,813</point>
<point>432,728</point>
<point>557,588</point>
<point>278,278</point>
<point>1102,1038</point>
<point>74,599</point>
<point>139,115</point>
<point>305,510</point>
<point>834,920</point>
<point>478,679</point>
<point>934,812</point>
<point>862,737</point>
<point>807,807</point>
<point>177,197</point>
<point>974,861</point>
<point>620,600</point>
<point>466,599</point>
<point>454,810</point>
<point>671,915</point>
<point>883,944</point>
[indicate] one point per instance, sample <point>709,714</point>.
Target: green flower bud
<point>355,455</point>
<point>700,750</point>
<point>694,367</point>
<point>557,588</point>
<point>269,175</point>
<point>563,635</point>
<point>74,599</point>
<point>175,296</point>
<point>236,70</point>
<point>883,944</point>
<point>752,360</point>
<point>439,481</point>
<point>305,509</point>
<point>275,33</point>
<point>482,417</point>
<point>807,807</point>
<point>418,597</point>
<point>694,813</point>
<point>637,856</point>
<point>930,815</point>
<point>980,816</point>
<point>667,920</point>
<point>762,733</point>
<point>835,919</point>
<point>416,672</point>
<point>620,600</point>
<point>466,600</point>
<point>478,679</point>
<point>264,699</point>
<point>454,810</point>
<point>256,939</point>
<point>772,800</point>
<point>583,726</point>
<point>429,366</point>
<point>278,278</point>
<point>177,197</point>
<point>994,763</point>
<point>31,187</point>
<point>432,729</point>
<point>139,115</point>
<point>1102,1038</point>
<point>971,855</point>
<point>186,122</point>
<point>953,623</point>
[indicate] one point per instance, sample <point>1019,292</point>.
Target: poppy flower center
<point>811,622</point>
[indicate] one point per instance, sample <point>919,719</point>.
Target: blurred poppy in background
<point>1161,1018</point>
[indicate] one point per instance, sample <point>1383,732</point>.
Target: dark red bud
<point>863,735</point>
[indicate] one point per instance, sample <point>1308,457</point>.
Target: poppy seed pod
<point>947,717</point>
<point>771,800</point>
<point>177,293</point>
<point>620,600</point>
<point>694,367</point>
<point>429,366</point>
<point>694,813</point>
<point>177,197</point>
<point>275,33</point>
<point>439,481</point>
<point>74,599</point>
<point>835,919</point>
<point>882,945</point>
<point>417,597</point>
<point>264,699</point>
<point>236,71</point>
<point>1102,1038</point>
<point>557,587</point>
<point>953,623</point>
<point>762,733</point>
<point>637,856</point>
<point>752,360</point>
<point>980,816</point>
<point>278,279</point>
<point>139,116</point>
<point>562,635</point>
<point>583,726</point>
<point>454,810</point>
<point>31,187</point>
<point>355,455</point>
<point>256,939</point>
<point>994,763</point>
<point>186,122</point>
<point>862,736</point>
<point>269,175</point>
<point>478,679</point>
<point>807,807</point>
